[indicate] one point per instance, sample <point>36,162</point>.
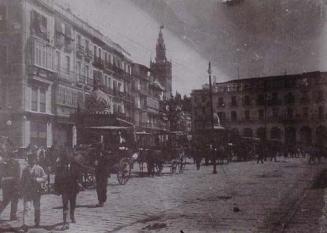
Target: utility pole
<point>212,120</point>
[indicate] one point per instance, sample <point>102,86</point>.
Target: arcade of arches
<point>290,135</point>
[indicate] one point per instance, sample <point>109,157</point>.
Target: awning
<point>142,133</point>
<point>108,127</point>
<point>124,121</point>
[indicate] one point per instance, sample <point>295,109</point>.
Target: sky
<point>137,32</point>
<point>242,38</point>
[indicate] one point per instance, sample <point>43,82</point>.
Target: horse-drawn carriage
<point>158,151</point>
<point>118,153</point>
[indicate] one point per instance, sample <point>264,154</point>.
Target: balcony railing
<point>108,66</point>
<point>81,79</point>
<point>80,51</point>
<point>88,55</point>
<point>98,62</point>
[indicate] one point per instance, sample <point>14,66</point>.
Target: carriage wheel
<point>124,171</point>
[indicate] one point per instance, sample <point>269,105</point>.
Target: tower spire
<point>161,47</point>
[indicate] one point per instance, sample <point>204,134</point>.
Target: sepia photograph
<point>163,116</point>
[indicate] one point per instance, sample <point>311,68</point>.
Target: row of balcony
<point>84,52</point>
<point>270,103</point>
<point>270,119</point>
<point>152,125</point>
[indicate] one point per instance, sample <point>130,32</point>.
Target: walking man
<point>9,178</point>
<point>33,181</point>
<point>101,174</point>
<point>67,184</point>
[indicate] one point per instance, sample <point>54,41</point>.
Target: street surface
<point>242,197</point>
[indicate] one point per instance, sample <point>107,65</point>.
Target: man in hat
<point>67,184</point>
<point>33,180</point>
<point>9,177</point>
<point>101,174</point>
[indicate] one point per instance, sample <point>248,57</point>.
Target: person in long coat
<point>67,183</point>
<point>9,180</point>
<point>101,174</point>
<point>33,181</point>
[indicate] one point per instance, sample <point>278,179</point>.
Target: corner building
<point>51,61</point>
<point>290,108</point>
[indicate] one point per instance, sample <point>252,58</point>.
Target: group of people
<point>29,183</point>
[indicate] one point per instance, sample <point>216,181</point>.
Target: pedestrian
<point>9,179</point>
<point>67,184</point>
<point>101,174</point>
<point>261,153</point>
<point>33,181</point>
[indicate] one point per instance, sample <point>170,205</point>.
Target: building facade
<point>290,108</point>
<point>148,93</point>
<point>50,62</point>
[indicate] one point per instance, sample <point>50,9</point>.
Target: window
<point>247,100</point>
<point>289,98</point>
<point>87,71</point>
<point>43,55</point>
<point>221,102</point>
<point>87,44</point>
<point>38,133</point>
<point>260,99</point>
<point>79,40</point>
<point>234,102</point>
<point>94,51</point>
<point>67,97</point>
<point>222,117</point>
<point>261,114</point>
<point>321,112</point>
<point>79,70</point>
<point>115,85</point>
<point>3,57</point>
<point>247,115</point>
<point>58,60</point>
<point>234,116</point>
<point>99,53</point>
<point>289,113</point>
<point>67,68</point>
<point>305,112</point>
<point>275,113</point>
<point>42,100</point>
<point>109,82</point>
<point>34,99</point>
<point>3,18</point>
<point>39,25</point>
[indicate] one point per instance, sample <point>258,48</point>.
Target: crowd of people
<point>30,181</point>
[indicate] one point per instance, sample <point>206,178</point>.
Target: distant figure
<point>33,179</point>
<point>67,184</point>
<point>261,153</point>
<point>9,178</point>
<point>101,174</point>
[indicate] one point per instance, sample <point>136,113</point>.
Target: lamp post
<point>212,120</point>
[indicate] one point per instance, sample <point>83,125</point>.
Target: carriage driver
<point>101,174</point>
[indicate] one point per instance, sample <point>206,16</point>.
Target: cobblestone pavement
<point>195,201</point>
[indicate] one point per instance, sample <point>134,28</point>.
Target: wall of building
<point>280,106</point>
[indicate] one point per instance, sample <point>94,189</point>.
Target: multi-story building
<point>161,68</point>
<point>51,61</point>
<point>289,108</point>
<point>148,93</point>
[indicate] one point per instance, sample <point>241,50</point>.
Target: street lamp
<point>212,120</point>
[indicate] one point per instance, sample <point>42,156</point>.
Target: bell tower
<point>161,68</point>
